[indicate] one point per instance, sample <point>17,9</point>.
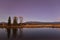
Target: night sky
<point>30,10</point>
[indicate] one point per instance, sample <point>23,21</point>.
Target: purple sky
<point>30,10</point>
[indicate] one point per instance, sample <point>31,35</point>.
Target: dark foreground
<point>30,34</point>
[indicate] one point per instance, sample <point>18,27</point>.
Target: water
<point>30,34</point>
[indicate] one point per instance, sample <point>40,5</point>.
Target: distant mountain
<point>33,22</point>
<point>3,22</point>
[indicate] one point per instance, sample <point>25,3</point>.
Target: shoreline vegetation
<point>30,26</point>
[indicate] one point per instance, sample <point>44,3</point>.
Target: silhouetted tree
<point>9,21</point>
<point>15,21</point>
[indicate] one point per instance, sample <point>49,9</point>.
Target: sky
<point>30,10</point>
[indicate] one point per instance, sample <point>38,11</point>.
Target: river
<point>30,34</point>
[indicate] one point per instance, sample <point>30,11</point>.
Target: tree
<point>15,21</point>
<point>9,20</point>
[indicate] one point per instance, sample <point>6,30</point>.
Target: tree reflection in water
<point>21,33</point>
<point>14,33</point>
<point>8,32</point>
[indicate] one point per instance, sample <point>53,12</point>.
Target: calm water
<point>31,34</point>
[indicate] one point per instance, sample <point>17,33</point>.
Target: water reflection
<point>21,33</point>
<point>8,32</point>
<point>14,33</point>
<point>32,34</point>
